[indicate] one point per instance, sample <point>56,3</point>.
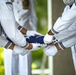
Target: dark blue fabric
<point>35,39</point>
<point>8,2</point>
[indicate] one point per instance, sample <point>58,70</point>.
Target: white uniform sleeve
<point>9,24</point>
<point>68,17</point>
<point>67,33</point>
<point>4,42</point>
<point>68,42</point>
<point>67,37</point>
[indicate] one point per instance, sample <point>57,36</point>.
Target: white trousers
<point>16,64</point>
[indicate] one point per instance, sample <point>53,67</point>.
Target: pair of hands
<point>49,50</point>
<point>35,46</point>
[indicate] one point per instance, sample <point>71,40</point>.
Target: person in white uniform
<point>11,19</point>
<point>63,33</point>
<point>26,17</point>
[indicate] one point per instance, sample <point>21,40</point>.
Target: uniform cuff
<point>54,31</point>
<point>61,45</point>
<point>8,45</point>
<point>20,28</point>
<point>8,2</point>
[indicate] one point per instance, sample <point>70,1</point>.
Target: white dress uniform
<point>65,31</point>
<point>66,39</point>
<point>26,18</point>
<point>66,24</point>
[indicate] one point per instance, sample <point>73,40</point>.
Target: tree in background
<point>41,11</point>
<point>1,61</point>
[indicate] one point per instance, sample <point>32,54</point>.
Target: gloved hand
<point>48,38</point>
<point>50,50</point>
<point>20,50</point>
<point>32,33</point>
<point>35,46</point>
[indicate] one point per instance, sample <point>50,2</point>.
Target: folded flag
<point>35,39</point>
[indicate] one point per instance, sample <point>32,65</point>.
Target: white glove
<point>36,46</point>
<point>48,39</point>
<point>32,33</point>
<point>50,50</point>
<point>20,50</point>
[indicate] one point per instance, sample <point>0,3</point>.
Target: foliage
<point>41,10</point>
<point>1,62</point>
